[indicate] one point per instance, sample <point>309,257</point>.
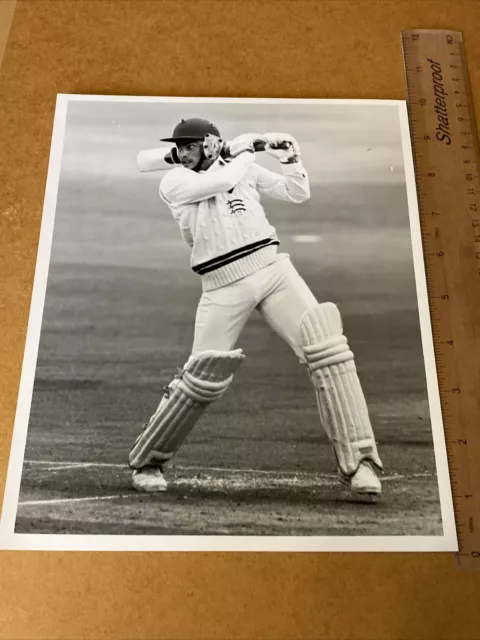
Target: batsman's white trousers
<point>313,331</point>
<point>277,292</point>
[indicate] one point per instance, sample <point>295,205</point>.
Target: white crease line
<point>259,472</point>
<point>30,503</point>
<point>56,462</point>
<point>286,474</point>
<point>66,466</point>
<point>67,463</point>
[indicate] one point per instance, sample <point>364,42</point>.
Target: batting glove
<point>282,146</point>
<point>242,143</point>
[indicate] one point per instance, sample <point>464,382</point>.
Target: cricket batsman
<point>214,194</point>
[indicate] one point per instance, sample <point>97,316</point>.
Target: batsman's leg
<point>220,318</point>
<point>315,332</point>
<point>204,379</point>
<point>341,402</point>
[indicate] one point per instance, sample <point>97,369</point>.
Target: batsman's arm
<point>182,186</point>
<point>292,185</point>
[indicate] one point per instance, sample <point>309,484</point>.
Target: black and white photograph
<point>229,344</point>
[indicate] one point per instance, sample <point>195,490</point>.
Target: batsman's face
<point>190,154</point>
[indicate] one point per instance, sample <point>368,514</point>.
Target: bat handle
<point>259,145</point>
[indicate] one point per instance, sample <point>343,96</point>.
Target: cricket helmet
<point>193,129</point>
<point>201,130</point>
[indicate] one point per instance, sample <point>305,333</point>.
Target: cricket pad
<point>341,402</point>
<point>204,379</point>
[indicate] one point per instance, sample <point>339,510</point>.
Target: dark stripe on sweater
<point>231,256</point>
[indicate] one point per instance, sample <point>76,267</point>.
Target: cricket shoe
<point>364,481</point>
<point>149,479</point>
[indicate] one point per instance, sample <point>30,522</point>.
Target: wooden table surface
<point>281,48</point>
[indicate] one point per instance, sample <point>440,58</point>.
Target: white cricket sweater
<point>221,218</point>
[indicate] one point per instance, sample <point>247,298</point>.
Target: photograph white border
<point>96,542</point>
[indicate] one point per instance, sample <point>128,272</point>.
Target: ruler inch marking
<point>446,160</point>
